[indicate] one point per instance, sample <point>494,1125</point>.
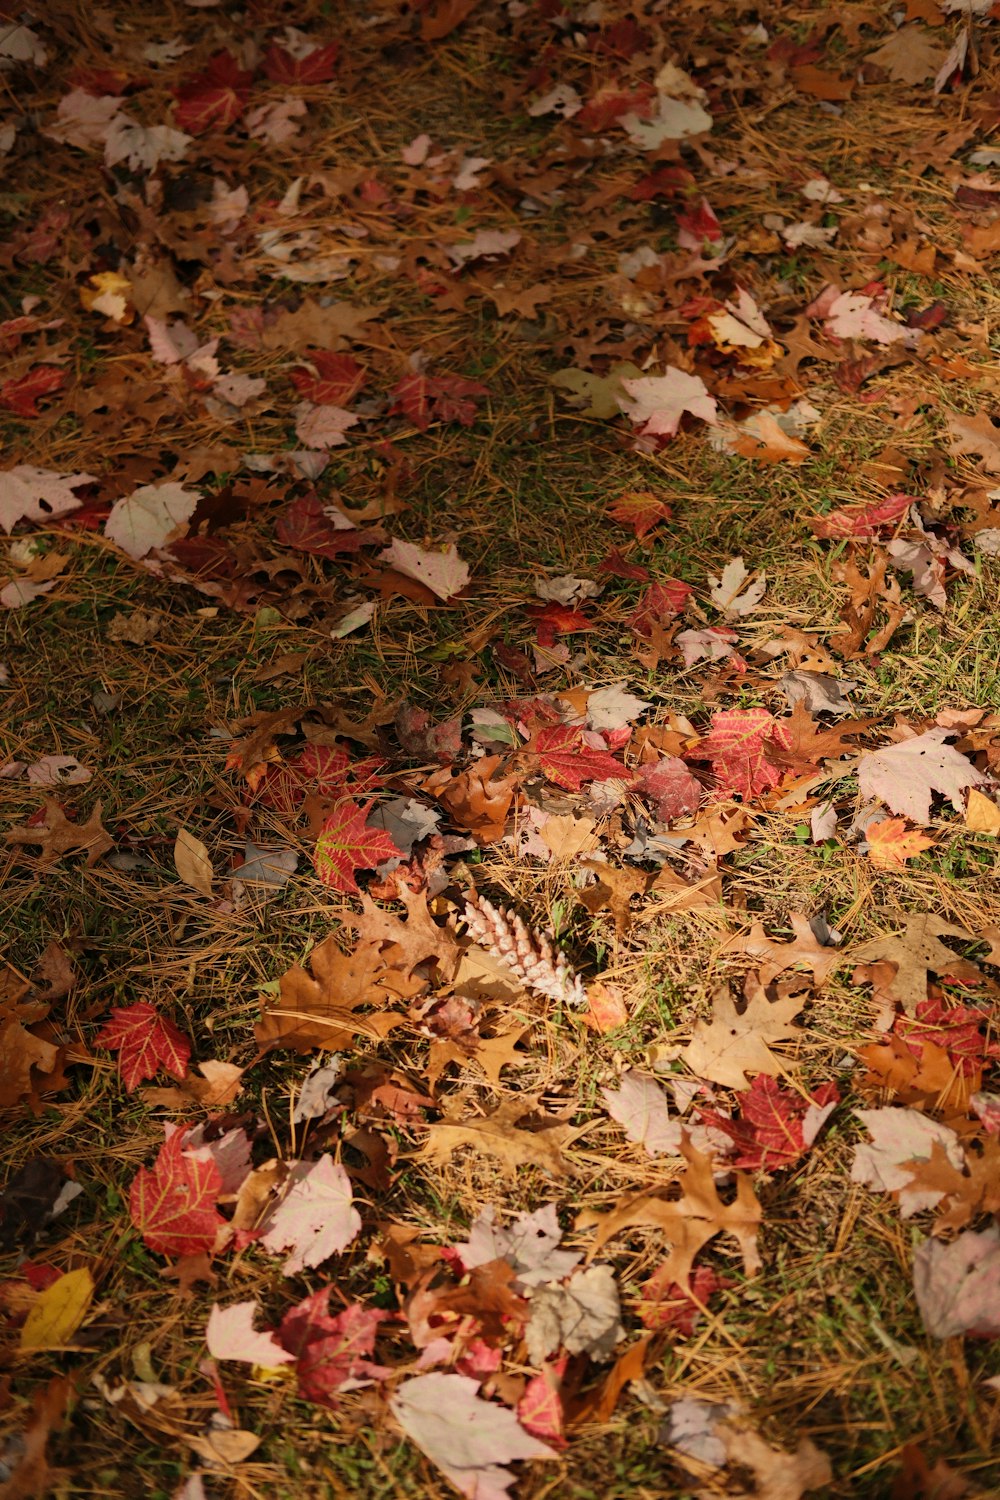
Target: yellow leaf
<point>109,293</point>
<point>58,1311</point>
<point>192,862</point>
<point>982,814</point>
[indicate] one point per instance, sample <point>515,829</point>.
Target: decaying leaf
<point>915,951</point>
<point>690,1222</point>
<point>583,1316</point>
<point>516,1135</point>
<point>736,1043</point>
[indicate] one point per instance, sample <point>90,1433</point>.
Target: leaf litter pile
<point>500,509</point>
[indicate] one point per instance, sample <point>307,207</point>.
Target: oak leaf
<point>56,835</point>
<point>689,1222</point>
<point>915,951</point>
<point>541,1144</point>
<point>963,1192</point>
<point>804,950</point>
<point>321,1009</point>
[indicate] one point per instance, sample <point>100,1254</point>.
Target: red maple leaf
<point>864,520</point>
<point>424,399</point>
<point>346,844</point>
<point>954,1028</point>
<point>145,1042</point>
<point>173,1205</point>
<point>670,786</point>
<point>567,759</point>
<point>619,567</point>
<point>660,604</point>
<point>305,525</point>
<point>330,1351</point>
<point>214,98</point>
<point>610,103</point>
<point>317,66</point>
<point>540,1409</point>
<point>700,224</point>
<point>554,619</point>
<point>639,509</point>
<point>666,1304</point>
<point>337,378</point>
<point>21,395</point>
<point>736,747</point>
<point>771,1129</point>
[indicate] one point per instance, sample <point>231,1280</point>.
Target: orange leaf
<point>890,845</point>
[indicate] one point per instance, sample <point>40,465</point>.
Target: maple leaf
<point>956,1285</point>
<point>145,1042</point>
<point>469,1439</point>
<point>444,573</point>
<point>641,510</point>
<point>732,1044</point>
<point>424,399</point>
<point>317,65</point>
<point>214,98</point>
<point>554,619</point>
<point>331,1353</point>
<point>956,1029</point>
<point>38,495</point>
<point>659,605</point>
<point>567,760</point>
<point>583,1317</point>
<point>310,526</point>
<point>529,1246</point>
<point>334,379</point>
<point>346,844</point>
<point>231,1335</point>
<point>656,403</point>
<point>900,1138</point>
<point>151,517</point>
<point>670,786</point>
<point>173,1205</point>
<point>903,776</point>
<point>891,844</point>
<point>775,1125</point>
<point>863,520</point>
<point>21,395</point>
<point>737,746</point>
<point>666,1304</point>
<point>726,594</point>
<point>316,1217</point>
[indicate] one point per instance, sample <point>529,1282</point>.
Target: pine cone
<point>529,955</point>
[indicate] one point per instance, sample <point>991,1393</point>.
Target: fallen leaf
<point>231,1335</point>
<point>982,815</point>
<point>732,1044</point>
<point>497,1135</point>
<point>145,1041</point>
<point>322,1009</point>
<point>58,1311</point>
<point>444,573</point>
<point>583,1316</point>
<point>56,835</point>
<point>691,1221</point>
<point>192,862</point>
<point>891,843</point>
<point>737,746</point>
<point>901,1137</point>
<point>958,1285</point>
<point>173,1204</point>
<point>315,1217</point>
<point>347,843</point>
<point>530,1246</point>
<point>915,951</point>
<point>467,1438</point>
<point>804,951</point>
<point>904,775</point>
<point>151,517</point>
<point>656,403</point>
<point>331,1354</point>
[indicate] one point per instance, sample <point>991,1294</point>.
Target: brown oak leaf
<point>516,1135</point>
<point>735,1043</point>
<point>56,835</point>
<point>323,1009</point>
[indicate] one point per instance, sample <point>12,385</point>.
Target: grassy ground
<point>827,1342</point>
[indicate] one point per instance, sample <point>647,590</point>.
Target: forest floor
<point>544,451</point>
